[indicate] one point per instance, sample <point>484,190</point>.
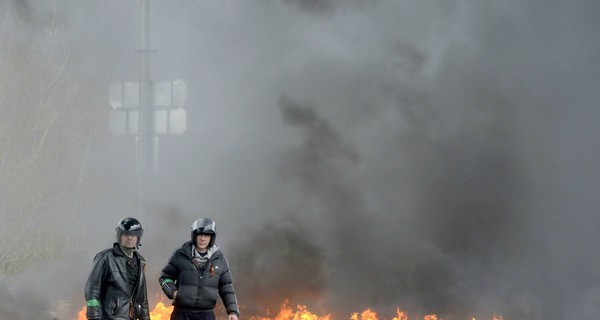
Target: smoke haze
<point>439,156</point>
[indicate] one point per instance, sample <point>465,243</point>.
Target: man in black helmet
<point>116,286</point>
<point>197,274</point>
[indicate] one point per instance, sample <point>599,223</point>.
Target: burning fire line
<point>163,312</point>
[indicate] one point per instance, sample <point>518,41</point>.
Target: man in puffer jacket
<point>197,274</point>
<point>116,286</point>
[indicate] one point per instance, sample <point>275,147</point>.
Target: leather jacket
<point>198,288</point>
<point>107,292</point>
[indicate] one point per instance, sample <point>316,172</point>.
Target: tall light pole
<point>145,140</point>
<point>146,109</point>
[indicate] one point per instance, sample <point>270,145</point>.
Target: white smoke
<point>441,154</point>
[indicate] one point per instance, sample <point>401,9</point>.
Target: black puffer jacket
<point>197,290</point>
<point>107,293</point>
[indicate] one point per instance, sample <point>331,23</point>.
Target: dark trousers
<point>204,315</point>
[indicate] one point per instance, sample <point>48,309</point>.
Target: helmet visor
<point>137,233</point>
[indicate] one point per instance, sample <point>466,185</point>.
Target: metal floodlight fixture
<point>169,94</point>
<point>124,94</point>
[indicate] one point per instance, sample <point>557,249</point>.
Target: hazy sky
<point>440,156</point>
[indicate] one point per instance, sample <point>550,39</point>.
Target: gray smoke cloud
<point>438,156</point>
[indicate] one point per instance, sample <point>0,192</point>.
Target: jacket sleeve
<point>93,288</point>
<point>226,290</point>
<point>143,299</point>
<point>168,276</point>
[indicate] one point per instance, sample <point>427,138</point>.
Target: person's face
<point>202,241</point>
<point>128,241</point>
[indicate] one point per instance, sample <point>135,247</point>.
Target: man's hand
<point>232,316</point>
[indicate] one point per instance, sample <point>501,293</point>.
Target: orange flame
<point>401,315</point>
<point>286,313</point>
<point>81,314</point>
<point>160,312</point>
<point>365,315</point>
<point>163,312</point>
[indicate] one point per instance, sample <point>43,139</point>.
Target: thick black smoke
<point>380,258</point>
<point>284,261</point>
<point>316,6</point>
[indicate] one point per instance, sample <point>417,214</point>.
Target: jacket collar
<point>187,248</point>
<point>117,250</point>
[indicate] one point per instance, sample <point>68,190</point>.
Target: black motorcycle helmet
<point>204,226</point>
<point>129,226</point>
